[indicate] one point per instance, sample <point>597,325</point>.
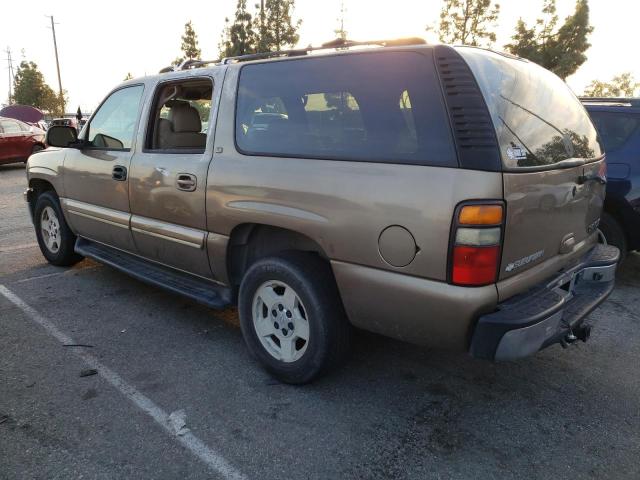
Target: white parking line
<point>206,454</point>
<point>55,274</point>
<point>13,248</point>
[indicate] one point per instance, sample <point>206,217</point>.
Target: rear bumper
<point>548,313</point>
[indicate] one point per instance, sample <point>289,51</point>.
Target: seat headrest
<point>185,118</point>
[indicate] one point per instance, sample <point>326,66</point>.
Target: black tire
<point>613,234</point>
<point>65,255</point>
<point>329,330</point>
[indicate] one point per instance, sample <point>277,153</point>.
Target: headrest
<point>185,118</point>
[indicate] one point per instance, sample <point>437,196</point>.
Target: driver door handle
<point>186,182</point>
<point>119,173</point>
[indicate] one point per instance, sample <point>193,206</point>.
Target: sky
<point>100,42</point>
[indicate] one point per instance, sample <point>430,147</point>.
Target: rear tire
<point>55,238</point>
<point>613,234</point>
<point>292,317</point>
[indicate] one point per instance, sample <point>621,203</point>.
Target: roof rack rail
<point>632,101</point>
<point>187,64</point>
<point>338,43</point>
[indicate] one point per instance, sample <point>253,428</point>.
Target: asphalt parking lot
<point>395,411</point>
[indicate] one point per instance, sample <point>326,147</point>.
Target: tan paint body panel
<point>549,215</point>
<point>412,309</point>
<point>343,206</point>
<point>47,166</point>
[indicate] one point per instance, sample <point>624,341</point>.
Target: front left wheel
<point>292,317</point>
<point>55,238</point>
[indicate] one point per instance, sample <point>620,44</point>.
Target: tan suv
<point>444,196</point>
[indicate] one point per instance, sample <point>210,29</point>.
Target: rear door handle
<point>186,182</point>
<point>582,179</point>
<point>119,173</point>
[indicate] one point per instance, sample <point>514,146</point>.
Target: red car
<point>18,140</point>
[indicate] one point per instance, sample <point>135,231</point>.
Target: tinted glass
<point>9,126</point>
<point>379,107</point>
<point>615,128</point>
<point>112,127</point>
<point>538,120</point>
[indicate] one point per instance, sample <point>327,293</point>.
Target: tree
<point>239,38</point>
<point>560,50</point>
<point>277,29</point>
<point>467,21</point>
<point>623,85</point>
<point>30,88</point>
<point>189,46</point>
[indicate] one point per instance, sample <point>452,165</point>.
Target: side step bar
<point>198,289</point>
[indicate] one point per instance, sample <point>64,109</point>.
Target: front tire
<point>55,238</point>
<point>292,318</point>
<point>611,233</point>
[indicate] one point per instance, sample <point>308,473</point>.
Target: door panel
<point>168,178</point>
<point>96,181</point>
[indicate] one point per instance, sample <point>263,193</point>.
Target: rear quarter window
<point>375,107</point>
<point>539,122</point>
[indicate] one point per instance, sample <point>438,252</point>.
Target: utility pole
<point>10,68</point>
<point>55,47</point>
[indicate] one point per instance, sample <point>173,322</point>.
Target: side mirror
<point>60,136</point>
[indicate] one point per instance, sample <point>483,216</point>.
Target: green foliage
<point>189,46</point>
<point>30,88</point>
<point>277,28</point>
<point>623,85</point>
<point>239,38</point>
<point>468,22</point>
<point>561,50</point>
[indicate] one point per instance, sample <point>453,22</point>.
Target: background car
<point>64,122</point>
<point>19,140</point>
<point>618,123</point>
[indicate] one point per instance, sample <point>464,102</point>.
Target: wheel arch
<point>37,187</point>
<point>249,242</point>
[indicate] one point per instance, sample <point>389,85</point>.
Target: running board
<point>198,289</point>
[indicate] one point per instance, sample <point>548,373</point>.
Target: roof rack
<point>627,101</point>
<point>337,44</point>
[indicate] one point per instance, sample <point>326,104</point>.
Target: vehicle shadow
<point>12,166</point>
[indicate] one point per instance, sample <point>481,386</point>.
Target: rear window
<point>377,107</point>
<point>538,119</point>
<point>615,128</point>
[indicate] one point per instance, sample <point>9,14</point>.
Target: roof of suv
<point>611,104</point>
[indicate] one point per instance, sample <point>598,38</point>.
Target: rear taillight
<point>476,243</point>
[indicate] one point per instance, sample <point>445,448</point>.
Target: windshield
<point>538,119</point>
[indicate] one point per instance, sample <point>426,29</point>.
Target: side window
<point>372,107</point>
<point>112,127</point>
<point>10,126</point>
<point>180,116</point>
<point>615,129</point>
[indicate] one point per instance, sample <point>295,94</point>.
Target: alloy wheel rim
<point>50,229</point>
<point>280,321</point>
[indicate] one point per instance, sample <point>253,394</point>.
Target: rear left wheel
<point>292,317</point>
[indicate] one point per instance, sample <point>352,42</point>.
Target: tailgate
<point>552,164</point>
<point>550,213</point>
